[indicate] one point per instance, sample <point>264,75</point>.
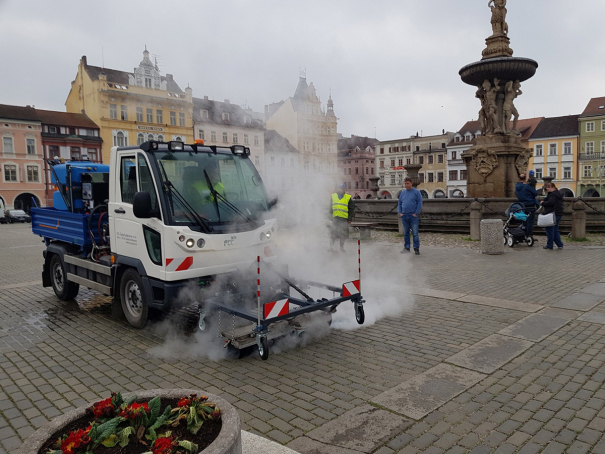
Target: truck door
<point>136,238</point>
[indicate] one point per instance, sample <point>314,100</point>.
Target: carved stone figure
<point>488,115</point>
<point>484,161</point>
<point>499,25</point>
<point>522,160</point>
<point>511,91</point>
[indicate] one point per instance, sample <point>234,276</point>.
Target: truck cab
<point>176,215</point>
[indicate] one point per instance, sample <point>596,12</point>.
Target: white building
<point>456,169</point>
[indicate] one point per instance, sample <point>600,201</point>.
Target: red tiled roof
<point>557,127</point>
<point>18,113</point>
<point>596,106</point>
<point>78,120</point>
<point>121,77</point>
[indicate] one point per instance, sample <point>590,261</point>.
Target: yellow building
<point>132,108</point>
<point>556,142</point>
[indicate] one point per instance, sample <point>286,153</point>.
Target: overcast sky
<point>392,65</point>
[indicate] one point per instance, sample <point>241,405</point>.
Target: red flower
<point>184,402</point>
<point>75,440</point>
<point>134,410</point>
<point>163,445</point>
<point>216,414</point>
<point>103,409</point>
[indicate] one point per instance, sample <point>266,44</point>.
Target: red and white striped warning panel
<point>276,308</point>
<point>179,264</point>
<point>351,288</point>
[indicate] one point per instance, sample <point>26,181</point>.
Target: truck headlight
<point>190,242</point>
<point>201,243</point>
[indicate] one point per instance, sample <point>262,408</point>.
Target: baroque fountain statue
<point>498,157</point>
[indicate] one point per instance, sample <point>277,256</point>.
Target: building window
<point>463,174</point>
<point>552,171</point>
<point>123,112</point>
<point>587,171</point>
<point>225,116</point>
<point>201,134</point>
<point>552,149</point>
<point>421,177</point>
<point>356,170</point>
<point>159,115</point>
<point>440,177</point>
<point>453,155</point>
<point>147,82</point>
<point>139,114</point>
<point>92,154</point>
<point>32,174</point>
<point>382,163</point>
<point>602,146</point>
<point>408,160</point>
<point>567,173</point>
<point>453,175</point>
<point>160,138</point>
<point>431,178</point>
<point>246,141</point>
<point>345,171</point>
<point>381,180</point>
<point>420,159</point>
<point>173,118</point>
<point>150,137</point>
<point>382,151</point>
<point>392,179</point>
<point>429,159</point>
<point>566,147</point>
<point>181,119</point>
<point>52,129</point>
<point>31,146</point>
<point>590,126</point>
<point>256,161</point>
<point>400,163</point>
<point>113,111</point>
<point>440,159</point>
<point>204,114</point>
<point>225,138</point>
<point>75,153</point>
<point>213,136</point>
<point>120,140</point>
<point>392,163</point>
<point>140,138</point>
<point>10,172</point>
<point>539,173</point>
<point>256,140</point>
<point>538,150</point>
<point>149,115</point>
<point>235,138</point>
<point>590,147</point>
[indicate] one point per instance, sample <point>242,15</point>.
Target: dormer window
<point>204,114</point>
<point>52,129</point>
<point>457,138</point>
<point>247,119</point>
<point>225,116</point>
<point>468,137</point>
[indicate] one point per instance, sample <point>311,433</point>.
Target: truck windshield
<point>244,197</point>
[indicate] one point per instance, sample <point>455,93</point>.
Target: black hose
<point>90,216</point>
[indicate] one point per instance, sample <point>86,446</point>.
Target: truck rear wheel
<point>133,300</point>
<point>64,289</point>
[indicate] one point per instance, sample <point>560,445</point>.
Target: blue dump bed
<point>72,228</point>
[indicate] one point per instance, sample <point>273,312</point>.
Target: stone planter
<point>229,440</point>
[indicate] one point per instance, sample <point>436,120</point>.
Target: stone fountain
<point>498,157</point>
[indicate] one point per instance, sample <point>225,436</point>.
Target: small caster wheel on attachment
<point>360,315</point>
<point>263,348</point>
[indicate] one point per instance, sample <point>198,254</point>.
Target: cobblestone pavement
<point>549,397</point>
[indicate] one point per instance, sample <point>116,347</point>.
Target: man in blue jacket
<point>526,194</point>
<point>408,208</point>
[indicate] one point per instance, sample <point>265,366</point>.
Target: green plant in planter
<point>195,410</point>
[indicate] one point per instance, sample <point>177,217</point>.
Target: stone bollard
<point>476,216</point>
<point>578,220</point>
<point>491,237</point>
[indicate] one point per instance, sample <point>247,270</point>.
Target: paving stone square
<point>535,349</point>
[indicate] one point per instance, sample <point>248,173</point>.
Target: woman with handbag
<point>553,203</point>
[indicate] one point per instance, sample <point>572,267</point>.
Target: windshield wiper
<point>217,195</point>
<point>172,189</point>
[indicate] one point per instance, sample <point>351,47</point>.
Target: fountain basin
<point>503,68</point>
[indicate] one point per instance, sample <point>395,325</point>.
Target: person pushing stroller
<point>526,194</point>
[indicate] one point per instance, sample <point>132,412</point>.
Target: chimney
<point>84,61</point>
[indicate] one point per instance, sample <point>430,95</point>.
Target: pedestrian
<point>342,214</point>
<point>553,203</point>
<point>408,209</point>
<point>356,196</point>
<point>526,195</point>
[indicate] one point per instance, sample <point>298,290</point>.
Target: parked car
<point>17,216</point>
<point>3,219</point>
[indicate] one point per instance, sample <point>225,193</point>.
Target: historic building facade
<point>225,124</point>
<point>455,168</point>
<point>555,142</point>
<point>356,164</point>
<point>21,158</point>
<point>592,149</point>
<point>430,151</point>
<point>311,130</point>
<point>132,107</point>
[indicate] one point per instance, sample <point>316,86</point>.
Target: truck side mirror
<point>141,206</point>
<point>272,203</point>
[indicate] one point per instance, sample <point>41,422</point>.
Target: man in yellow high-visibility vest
<point>342,214</point>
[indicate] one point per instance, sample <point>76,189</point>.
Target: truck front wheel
<point>132,297</point>
<point>64,289</point>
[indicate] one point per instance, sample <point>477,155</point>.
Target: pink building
<point>21,158</point>
<point>356,164</point>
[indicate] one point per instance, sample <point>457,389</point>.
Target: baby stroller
<point>515,226</point>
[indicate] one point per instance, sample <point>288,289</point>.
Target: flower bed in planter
<point>154,422</point>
